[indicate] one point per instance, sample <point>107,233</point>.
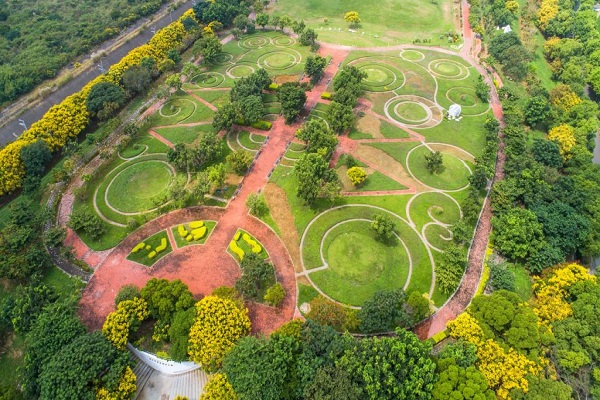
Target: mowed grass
<point>383,22</point>
<point>455,175</point>
<point>140,186</point>
<point>359,265</point>
<point>185,134</point>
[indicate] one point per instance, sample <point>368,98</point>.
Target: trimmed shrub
<point>138,247</point>
<point>252,243</point>
<point>182,231</point>
<point>152,254</point>
<point>273,86</point>
<point>262,125</point>
<point>233,246</point>
<point>163,245</point>
<point>275,294</point>
<point>326,96</point>
<point>236,237</point>
<point>196,224</point>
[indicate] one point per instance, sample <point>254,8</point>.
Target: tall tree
<point>315,67</point>
<point>292,98</point>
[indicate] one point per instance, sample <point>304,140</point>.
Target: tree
<point>315,67</point>
<point>340,117</point>
<point>241,21</point>
<point>317,135</point>
<point>136,79</point>
<point>103,95</point>
<point>216,174</point>
<point>479,178</point>
<point>352,18</point>
<point>309,171</point>
<point>256,272</point>
<point>331,191</point>
<point>209,47</point>
<point>23,308</point>
<point>517,233</point>
<point>537,110</point>
<point>174,81</point>
<point>262,19</point>
<point>56,327</point>
<point>308,37</point>
<point>275,20</point>
<point>173,55</point>
<point>73,372</point>
<point>383,225</point>
<point>292,98</point>
<point>257,205</point>
<point>418,306</point>
<point>501,278</point>
<point>284,21</point>
<point>350,78</point>
<point>564,135</point>
<point>125,320</point>
<point>218,326</point>
<point>547,153</point>
<point>384,312</point>
<point>225,117</point>
<point>257,368</point>
<point>434,162</point>
<point>84,219</point>
<point>218,388</point>
<point>455,381</point>
<point>34,157</point>
<point>239,161</point>
<point>275,294</point>
<point>391,368</point>
<point>332,383</point>
<point>564,228</point>
<point>201,187</point>
<point>179,333</point>
<point>127,292</point>
<point>541,389</point>
<point>357,175</point>
<point>326,312</point>
<point>251,109</point>
<point>450,268</point>
<point>165,298</point>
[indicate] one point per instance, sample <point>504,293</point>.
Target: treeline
<point>38,38</point>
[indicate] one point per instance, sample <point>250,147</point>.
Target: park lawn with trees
<point>378,22</point>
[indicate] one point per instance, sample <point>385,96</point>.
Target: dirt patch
<point>370,124</point>
<point>460,154</point>
<point>347,185</point>
<point>303,280</point>
<point>281,79</point>
<point>282,215</point>
<point>385,164</point>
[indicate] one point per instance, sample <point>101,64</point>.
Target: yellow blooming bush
<point>125,390</point>
<point>219,324</point>
<point>118,323</point>
<point>564,98</point>
<point>548,10</point>
<point>218,388</point>
<point>466,327</point>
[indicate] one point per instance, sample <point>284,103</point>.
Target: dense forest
<point>38,37</point>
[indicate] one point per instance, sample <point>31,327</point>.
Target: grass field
<point>383,23</point>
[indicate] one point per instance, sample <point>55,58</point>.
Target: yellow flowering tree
<point>127,317</point>
<point>219,324</point>
<point>548,10</point>
<point>125,390</point>
<point>218,388</point>
<point>564,135</point>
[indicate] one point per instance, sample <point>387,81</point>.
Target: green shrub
<point>326,96</point>
<point>262,125</point>
<point>438,337</point>
<point>275,294</point>
<point>273,86</point>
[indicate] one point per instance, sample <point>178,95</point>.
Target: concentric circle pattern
<point>448,69</point>
<point>208,79</point>
<point>254,42</point>
<point>413,111</point>
<point>279,59</point>
<point>240,71</point>
<point>381,76</point>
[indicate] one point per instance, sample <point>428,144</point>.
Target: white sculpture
<point>454,112</point>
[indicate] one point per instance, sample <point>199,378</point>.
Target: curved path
<point>204,267</point>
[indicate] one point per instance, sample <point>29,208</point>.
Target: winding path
<point>205,267</point>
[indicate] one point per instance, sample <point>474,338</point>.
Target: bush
<point>275,294</point>
<point>240,161</point>
<point>502,278</point>
<point>326,96</point>
<point>233,246</point>
<point>262,125</point>
<point>127,292</point>
<point>273,86</point>
<point>87,221</point>
<point>257,205</point>
<point>357,175</point>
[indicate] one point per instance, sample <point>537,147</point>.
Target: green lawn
<point>306,293</point>
<point>184,134</point>
<point>391,131</point>
<point>455,176</point>
<point>386,22</point>
<point>153,241</point>
<point>359,265</point>
<point>181,242</point>
<point>140,187</point>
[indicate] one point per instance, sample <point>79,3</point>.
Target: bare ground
<point>369,124</point>
<point>282,215</point>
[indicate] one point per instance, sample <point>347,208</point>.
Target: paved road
<point>13,129</point>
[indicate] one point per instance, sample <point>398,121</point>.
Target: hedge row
<point>69,118</point>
